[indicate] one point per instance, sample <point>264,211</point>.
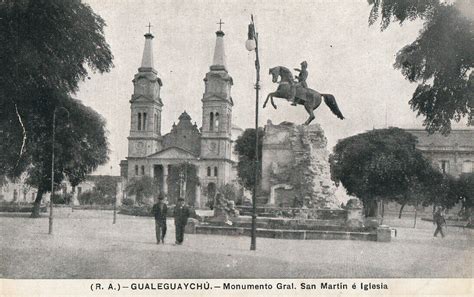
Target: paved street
<point>86,244</point>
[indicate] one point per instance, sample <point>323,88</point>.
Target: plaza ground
<point>86,244</point>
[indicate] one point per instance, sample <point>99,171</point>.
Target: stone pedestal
<point>384,233</point>
<point>296,155</point>
<point>354,218</point>
<point>190,227</point>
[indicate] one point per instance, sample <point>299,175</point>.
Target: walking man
<point>159,211</point>
<point>181,215</point>
<point>439,219</point>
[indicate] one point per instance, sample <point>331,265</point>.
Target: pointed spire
<point>219,61</point>
<point>147,59</point>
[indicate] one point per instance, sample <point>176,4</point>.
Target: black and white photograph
<point>236,147</point>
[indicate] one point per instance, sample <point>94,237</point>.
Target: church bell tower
<point>217,117</point>
<point>146,106</point>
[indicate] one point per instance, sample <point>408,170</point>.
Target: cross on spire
<point>149,27</point>
<point>220,24</point>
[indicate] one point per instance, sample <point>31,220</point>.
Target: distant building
<point>452,154</point>
<point>209,148</point>
<point>19,191</point>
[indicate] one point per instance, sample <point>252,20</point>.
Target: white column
<point>152,171</point>
<point>165,177</point>
<point>197,202</point>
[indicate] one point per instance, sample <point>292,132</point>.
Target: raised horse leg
<point>270,96</point>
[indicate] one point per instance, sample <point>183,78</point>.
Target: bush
<point>86,198</point>
<point>232,192</point>
<point>138,210</point>
<point>95,198</point>
<point>128,202</point>
<point>62,198</point>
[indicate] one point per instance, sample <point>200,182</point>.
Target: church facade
<point>209,149</point>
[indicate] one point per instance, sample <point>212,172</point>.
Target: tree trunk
<point>416,212</point>
<point>401,209</point>
<point>370,208</point>
<point>35,213</point>
<point>382,211</point>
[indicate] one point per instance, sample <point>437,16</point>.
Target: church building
<point>208,150</point>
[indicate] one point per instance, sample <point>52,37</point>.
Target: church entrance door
<point>211,193</point>
<point>158,175</point>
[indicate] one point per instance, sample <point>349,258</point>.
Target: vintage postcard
<point>260,148</point>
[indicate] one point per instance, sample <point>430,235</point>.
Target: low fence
<point>19,207</point>
<point>307,213</point>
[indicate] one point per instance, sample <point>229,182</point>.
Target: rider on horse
<point>303,74</point>
<point>301,77</point>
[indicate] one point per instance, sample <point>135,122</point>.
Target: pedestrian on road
<point>439,220</point>
<point>159,211</point>
<point>181,215</point>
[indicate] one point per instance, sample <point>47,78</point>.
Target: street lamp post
<point>181,184</point>
<point>52,170</point>
<point>252,44</point>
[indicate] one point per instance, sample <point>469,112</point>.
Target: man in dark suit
<point>181,215</point>
<point>438,218</point>
<point>159,211</point>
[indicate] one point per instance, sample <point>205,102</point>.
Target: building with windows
<point>453,154</point>
<point>208,149</point>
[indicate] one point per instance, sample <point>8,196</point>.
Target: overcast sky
<point>345,56</point>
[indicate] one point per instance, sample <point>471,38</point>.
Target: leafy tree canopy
<point>380,163</point>
<point>46,44</point>
<point>47,47</point>
<point>80,142</point>
<point>245,147</point>
<point>440,60</point>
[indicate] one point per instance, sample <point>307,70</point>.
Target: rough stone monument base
<point>295,167</point>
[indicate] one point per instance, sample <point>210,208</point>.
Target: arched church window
<point>467,167</point>
<point>136,169</point>
<point>208,171</point>
<point>215,171</point>
<point>211,122</point>
<point>139,127</point>
<point>143,170</point>
<point>144,121</point>
<point>217,121</point>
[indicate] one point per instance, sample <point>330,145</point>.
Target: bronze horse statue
<point>307,97</point>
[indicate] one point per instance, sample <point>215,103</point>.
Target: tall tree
<point>379,163</point>
<point>183,176</point>
<point>80,144</point>
<point>245,147</point>
<point>440,60</point>
<point>143,188</point>
<point>48,47</point>
<point>466,193</point>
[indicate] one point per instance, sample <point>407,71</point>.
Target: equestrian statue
<point>298,92</point>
